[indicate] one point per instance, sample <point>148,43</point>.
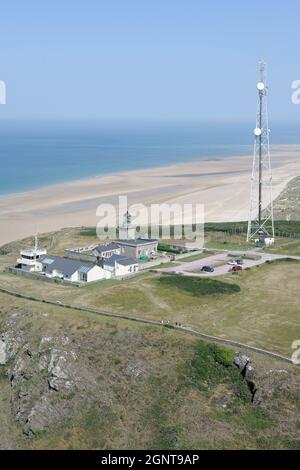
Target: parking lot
<point>218,261</point>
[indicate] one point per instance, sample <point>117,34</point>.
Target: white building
<point>29,257</point>
<point>120,265</point>
<point>106,251</point>
<point>139,248</point>
<point>71,270</point>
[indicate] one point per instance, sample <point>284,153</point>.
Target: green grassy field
<point>264,313</point>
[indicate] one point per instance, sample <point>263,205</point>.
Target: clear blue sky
<point>147,59</point>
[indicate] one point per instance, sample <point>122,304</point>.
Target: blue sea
<point>35,154</point>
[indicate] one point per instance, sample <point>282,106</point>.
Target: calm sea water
<point>35,154</point>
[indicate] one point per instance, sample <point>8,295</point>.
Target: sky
<point>147,59</point>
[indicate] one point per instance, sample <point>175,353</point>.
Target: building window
<point>83,277</point>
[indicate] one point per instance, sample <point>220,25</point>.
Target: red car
<point>236,268</point>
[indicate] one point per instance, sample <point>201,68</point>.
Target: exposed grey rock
<point>9,346</point>
<point>58,363</point>
<point>54,384</point>
<point>48,342</point>
<point>134,371</point>
<point>240,360</point>
<point>18,371</point>
<point>45,343</point>
<point>42,415</point>
<point>62,369</point>
<point>3,355</point>
<point>43,363</point>
<point>22,407</point>
<point>250,373</point>
<point>42,378</point>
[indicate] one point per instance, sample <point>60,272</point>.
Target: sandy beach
<point>222,185</point>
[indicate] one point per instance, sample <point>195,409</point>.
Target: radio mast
<point>261,222</point>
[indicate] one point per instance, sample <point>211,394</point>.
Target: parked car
<point>235,268</point>
<point>207,269</point>
<point>235,262</point>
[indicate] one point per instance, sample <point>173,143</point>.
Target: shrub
<point>198,286</point>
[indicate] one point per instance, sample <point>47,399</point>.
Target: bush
<point>212,365</point>
<point>198,286</point>
<point>222,355</point>
<point>168,248</point>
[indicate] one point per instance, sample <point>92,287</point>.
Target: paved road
<point>219,262</point>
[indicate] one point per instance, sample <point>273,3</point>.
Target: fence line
<point>124,316</point>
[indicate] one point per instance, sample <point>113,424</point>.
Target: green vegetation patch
<point>168,248</point>
<point>283,228</point>
<point>212,365</point>
<point>198,286</point>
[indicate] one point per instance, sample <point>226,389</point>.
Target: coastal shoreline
<point>222,184</point>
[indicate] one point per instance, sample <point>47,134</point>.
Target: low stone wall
<point>80,256</point>
<point>127,276</point>
<point>190,253</point>
<point>39,277</point>
<point>150,264</point>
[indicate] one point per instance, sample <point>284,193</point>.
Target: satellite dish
<point>257,131</point>
<point>260,86</point>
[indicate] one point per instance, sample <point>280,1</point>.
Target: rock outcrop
<point>45,380</point>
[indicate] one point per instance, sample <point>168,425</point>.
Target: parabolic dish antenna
<point>257,131</point>
<point>260,86</point>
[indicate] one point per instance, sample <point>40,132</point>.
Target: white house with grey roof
<point>106,251</point>
<point>119,265</point>
<point>71,270</point>
<point>138,248</point>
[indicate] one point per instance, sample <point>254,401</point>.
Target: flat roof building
<point>138,248</point>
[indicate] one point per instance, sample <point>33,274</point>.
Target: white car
<point>235,262</point>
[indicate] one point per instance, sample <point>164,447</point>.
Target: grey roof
<point>137,241</point>
<point>47,260</point>
<point>64,265</point>
<point>124,260</point>
<point>109,247</point>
